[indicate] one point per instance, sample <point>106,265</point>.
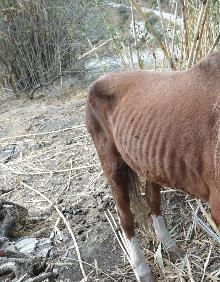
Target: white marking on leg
<point>137,258</point>
<point>162,233</point>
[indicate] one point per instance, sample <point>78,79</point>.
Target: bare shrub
<point>38,41</point>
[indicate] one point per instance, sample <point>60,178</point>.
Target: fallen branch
<point>46,172</point>
<point>41,277</point>
<point>36,268</point>
<point>65,222</point>
<point>8,268</point>
<point>19,260</point>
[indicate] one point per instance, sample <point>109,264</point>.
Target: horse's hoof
<point>149,278</point>
<point>176,254</point>
<point>154,279</point>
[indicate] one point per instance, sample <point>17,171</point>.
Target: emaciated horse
<point>163,126</point>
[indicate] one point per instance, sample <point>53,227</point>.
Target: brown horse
<point>163,126</point>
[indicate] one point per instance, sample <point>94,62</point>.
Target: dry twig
<point>41,133</point>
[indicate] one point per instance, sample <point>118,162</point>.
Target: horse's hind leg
<point>214,203</point>
<point>117,173</point>
<point>153,197</point>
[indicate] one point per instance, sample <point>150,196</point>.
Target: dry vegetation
<point>53,164</point>
<point>48,163</point>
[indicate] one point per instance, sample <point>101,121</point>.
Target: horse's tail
<point>138,200</point>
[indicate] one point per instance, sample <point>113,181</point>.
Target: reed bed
<point>190,33</point>
<point>60,161</point>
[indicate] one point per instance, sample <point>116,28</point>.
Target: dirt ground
<point>48,152</point>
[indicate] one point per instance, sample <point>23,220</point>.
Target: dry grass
<point>51,160</point>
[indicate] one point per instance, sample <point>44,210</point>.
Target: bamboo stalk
<point>164,30</point>
<point>153,32</point>
<point>114,38</point>
<point>135,34</point>
<point>215,43</point>
<point>201,32</point>
<point>206,41</point>
<point>131,57</point>
<point>174,28</point>
<point>196,35</point>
